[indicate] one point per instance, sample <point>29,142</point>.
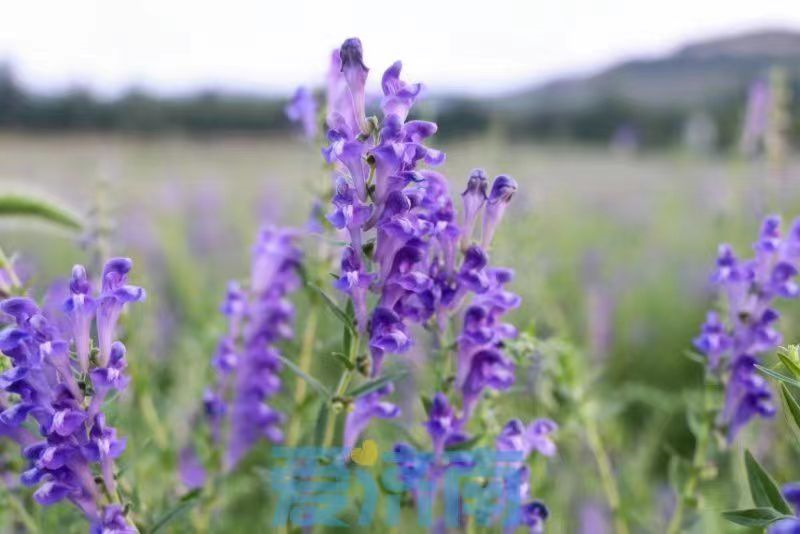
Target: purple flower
<point>399,96</point>
<point>192,473</point>
<point>713,340</point>
<point>112,521</point>
<point>515,436</point>
<point>488,368</point>
<point>302,109</point>
<point>365,409</point>
<point>113,376</point>
<point>503,188</point>
<point>387,335</point>
<point>444,427</point>
<point>115,293</point>
<point>355,74</point>
<point>474,197</point>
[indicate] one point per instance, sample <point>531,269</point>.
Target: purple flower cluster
<point>407,245</point>
<point>247,360</point>
<point>64,395</point>
<point>733,342</point>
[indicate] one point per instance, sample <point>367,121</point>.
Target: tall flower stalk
<point>247,361</point>
<point>407,247</point>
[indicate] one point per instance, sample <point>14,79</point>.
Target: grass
<point>639,233</point>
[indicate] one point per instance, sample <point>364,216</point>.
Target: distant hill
<point>649,100</point>
<point>697,75</point>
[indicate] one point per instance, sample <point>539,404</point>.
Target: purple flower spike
<point>474,197</point>
<point>302,109</point>
<point>76,442</point>
<point>503,189</point>
<point>733,346</point>
<point>247,362</point>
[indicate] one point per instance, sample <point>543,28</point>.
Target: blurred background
<point>641,135</point>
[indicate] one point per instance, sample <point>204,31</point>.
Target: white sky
<point>268,45</point>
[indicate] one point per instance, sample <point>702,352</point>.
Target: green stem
<point>304,362</point>
<point>341,387</point>
<point>606,472</point>
<point>687,494</point>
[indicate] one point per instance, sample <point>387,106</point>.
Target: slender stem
<point>687,493</point>
<point>606,472</point>
<point>344,381</point>
<point>306,352</point>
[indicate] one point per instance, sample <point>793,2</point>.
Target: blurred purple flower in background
<point>733,344</point>
<point>247,360</point>
<point>302,109</point>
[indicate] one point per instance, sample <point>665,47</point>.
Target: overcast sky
<point>478,47</point>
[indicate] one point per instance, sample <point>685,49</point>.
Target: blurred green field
<point>612,253</point>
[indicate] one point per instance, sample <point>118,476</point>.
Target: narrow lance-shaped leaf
<point>16,205</point>
<point>754,517</point>
<point>310,380</point>
<point>763,489</point>
<point>792,366</point>
<point>372,385</point>
<point>791,404</point>
<point>344,360</point>
<point>186,502</point>
<point>783,378</point>
<point>337,311</point>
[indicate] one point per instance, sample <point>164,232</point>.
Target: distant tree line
<point>216,113</point>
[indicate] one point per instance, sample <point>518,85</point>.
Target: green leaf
<point>184,504</point>
<point>763,489</point>
<point>344,360</point>
<point>17,205</point>
<point>372,385</point>
<point>465,445</point>
<point>310,380</point>
<point>754,517</point>
<point>337,311</point>
<point>791,403</point>
<point>790,364</point>
<point>427,403</point>
<point>778,376</point>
